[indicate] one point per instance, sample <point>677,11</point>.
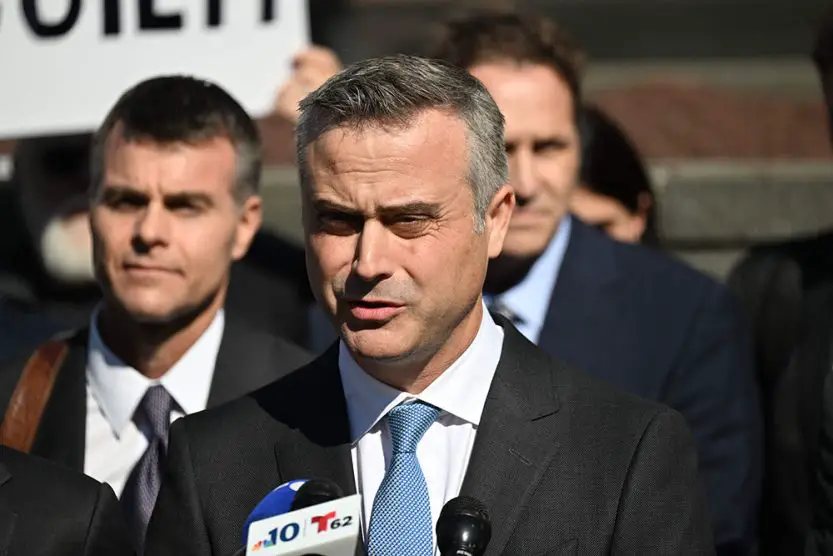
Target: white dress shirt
<point>113,441</point>
<point>529,299</point>
<point>443,453</point>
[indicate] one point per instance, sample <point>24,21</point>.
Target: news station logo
<point>314,526</point>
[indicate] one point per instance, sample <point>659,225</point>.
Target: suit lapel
<point>585,304</point>
<point>515,440</point>
<point>61,435</point>
<point>319,445</point>
<point>8,518</point>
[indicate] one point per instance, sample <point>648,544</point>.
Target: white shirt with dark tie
<point>114,390</point>
<point>443,453</point>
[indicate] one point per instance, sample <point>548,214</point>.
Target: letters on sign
<point>151,18</point>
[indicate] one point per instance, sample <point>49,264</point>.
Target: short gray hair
<point>394,90</point>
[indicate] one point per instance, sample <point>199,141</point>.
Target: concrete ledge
<point>789,76</point>
<point>732,204</point>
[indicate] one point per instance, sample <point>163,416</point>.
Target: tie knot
<point>155,410</point>
<point>408,424</point>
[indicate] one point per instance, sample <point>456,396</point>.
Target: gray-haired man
<point>427,396</point>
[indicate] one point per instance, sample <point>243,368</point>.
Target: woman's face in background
<point>611,216</point>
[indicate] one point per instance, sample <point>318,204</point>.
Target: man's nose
<point>371,262</point>
<point>151,228</point>
<point>523,175</point>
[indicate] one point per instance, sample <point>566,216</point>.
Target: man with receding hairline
<point>426,395</point>
<point>627,314</point>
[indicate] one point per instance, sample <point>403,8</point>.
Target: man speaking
<point>426,396</point>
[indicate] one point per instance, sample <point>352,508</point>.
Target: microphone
<point>278,502</point>
<point>314,492</point>
<point>316,521</point>
<point>463,528</point>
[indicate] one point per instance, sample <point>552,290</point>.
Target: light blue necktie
<point>400,522</point>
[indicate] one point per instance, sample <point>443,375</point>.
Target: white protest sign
<point>65,62</point>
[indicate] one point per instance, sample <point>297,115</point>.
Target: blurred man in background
<point>47,282</point>
<point>625,313</point>
<point>174,202</point>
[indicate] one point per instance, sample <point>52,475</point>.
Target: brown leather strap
<point>34,387</point>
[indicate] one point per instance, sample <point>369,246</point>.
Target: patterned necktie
<point>153,417</point>
<point>400,522</point>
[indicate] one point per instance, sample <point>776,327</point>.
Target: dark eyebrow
<point>188,197</point>
<point>117,191</point>
<point>185,197</point>
<point>417,208</point>
<point>322,205</point>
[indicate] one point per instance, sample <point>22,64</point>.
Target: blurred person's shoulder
<point>811,256</point>
<point>50,477</point>
<point>657,279</point>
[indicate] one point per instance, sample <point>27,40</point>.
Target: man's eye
<point>184,208</point>
<point>125,203</point>
<point>409,225</point>
<point>338,223</point>
<point>551,146</point>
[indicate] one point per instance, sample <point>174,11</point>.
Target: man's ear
<point>498,216</point>
<point>248,223</point>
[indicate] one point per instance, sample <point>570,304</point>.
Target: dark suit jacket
<point>663,331</point>
<point>248,358</point>
<point>810,504</point>
<point>47,510</point>
<point>564,463</point>
<point>788,289</point>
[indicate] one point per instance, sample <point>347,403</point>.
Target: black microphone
<point>463,528</point>
<point>314,492</point>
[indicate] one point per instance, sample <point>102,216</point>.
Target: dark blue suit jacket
<point>659,329</point>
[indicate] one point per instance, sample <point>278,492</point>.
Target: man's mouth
<point>374,310</point>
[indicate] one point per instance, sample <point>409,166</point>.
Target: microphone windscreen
<point>463,527</point>
<point>277,502</point>
<point>314,492</point>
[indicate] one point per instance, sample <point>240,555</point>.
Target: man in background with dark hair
<point>625,313</point>
<point>47,283</point>
<point>174,202</point>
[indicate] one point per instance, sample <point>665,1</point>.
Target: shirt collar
<point>119,388</point>
<point>529,298</point>
<point>461,390</point>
